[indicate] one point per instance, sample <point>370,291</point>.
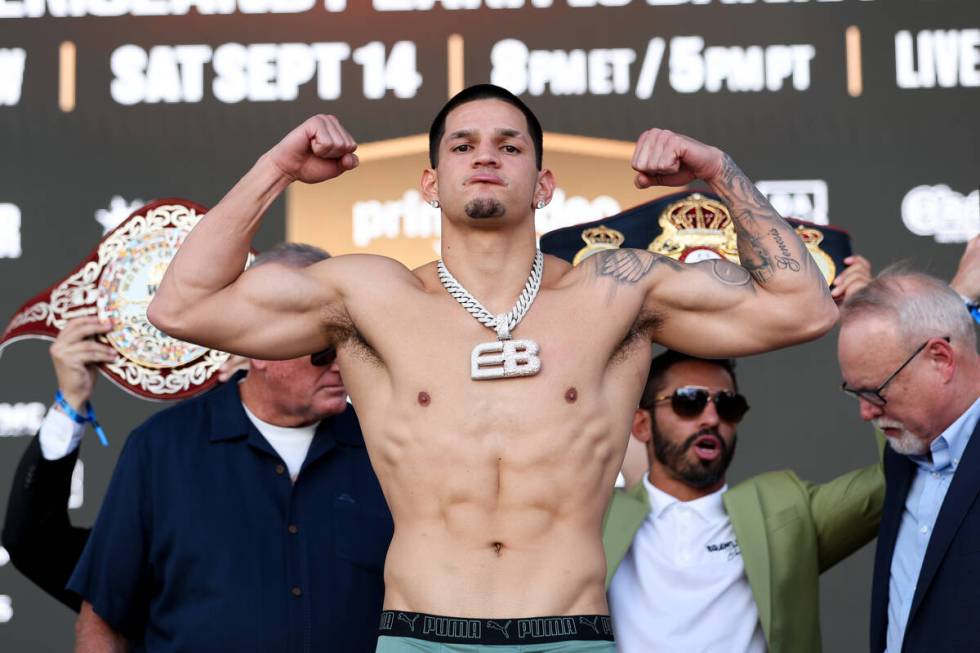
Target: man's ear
<point>430,185</point>
<point>545,188</point>
<point>942,356</point>
<point>642,425</point>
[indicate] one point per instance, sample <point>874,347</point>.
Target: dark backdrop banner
<point>862,113</point>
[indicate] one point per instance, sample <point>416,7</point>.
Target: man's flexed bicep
<point>775,298</point>
<point>714,309</point>
<point>274,311</point>
<point>205,298</point>
<point>689,307</point>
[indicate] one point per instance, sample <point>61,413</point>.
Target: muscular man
<point>497,486</point>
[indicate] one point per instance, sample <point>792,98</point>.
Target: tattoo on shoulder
<point>629,266</point>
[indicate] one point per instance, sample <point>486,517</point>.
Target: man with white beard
<point>907,352</point>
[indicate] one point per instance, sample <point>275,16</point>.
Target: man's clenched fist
<point>663,158</point>
<point>318,150</point>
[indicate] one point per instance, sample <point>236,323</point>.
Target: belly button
<point>497,546</point>
<point>424,398</point>
<point>571,395</point>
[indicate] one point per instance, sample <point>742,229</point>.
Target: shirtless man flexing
<point>496,443</point>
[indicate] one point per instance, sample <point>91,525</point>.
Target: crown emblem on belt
<point>598,239</point>
<point>694,229</point>
<point>812,238</point>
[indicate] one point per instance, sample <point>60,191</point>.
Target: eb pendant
<point>504,359</point>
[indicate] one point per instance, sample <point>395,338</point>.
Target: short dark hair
<point>484,92</point>
<point>293,255</point>
<point>656,379</point>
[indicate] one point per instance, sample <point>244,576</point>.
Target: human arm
<point>37,531</point>
<point>846,510</point>
<point>776,297</point>
<point>94,635</point>
<point>967,279</point>
<point>272,311</point>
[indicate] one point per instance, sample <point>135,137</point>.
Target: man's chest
<point>566,325</point>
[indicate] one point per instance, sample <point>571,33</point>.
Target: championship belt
<point>688,227</point>
<point>116,283</point>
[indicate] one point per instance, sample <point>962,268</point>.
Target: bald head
<point>915,305</point>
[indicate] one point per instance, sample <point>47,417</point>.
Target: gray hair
<point>293,255</point>
<point>919,305</point>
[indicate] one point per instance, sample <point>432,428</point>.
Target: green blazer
<point>789,532</point>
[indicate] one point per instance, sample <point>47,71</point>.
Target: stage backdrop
<point>858,112</point>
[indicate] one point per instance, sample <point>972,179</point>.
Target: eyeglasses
<point>690,401</point>
<point>874,397</point>
<point>324,358</point>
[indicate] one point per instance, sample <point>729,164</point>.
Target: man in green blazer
<point>695,566</point>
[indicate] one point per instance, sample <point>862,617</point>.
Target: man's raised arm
<point>272,311</point>
<point>775,298</point>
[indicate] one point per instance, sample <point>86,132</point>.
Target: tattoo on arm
<point>785,260</point>
<point>629,266</point>
<point>763,236</point>
<point>730,274</point>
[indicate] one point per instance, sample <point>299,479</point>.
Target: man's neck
<point>967,391</point>
<point>492,264</point>
<point>259,402</point>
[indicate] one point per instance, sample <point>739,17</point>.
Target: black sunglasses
<point>324,358</point>
<point>873,395</point>
<point>690,401</point>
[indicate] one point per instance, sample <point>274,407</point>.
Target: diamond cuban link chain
<point>506,357</point>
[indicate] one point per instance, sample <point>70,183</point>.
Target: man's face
<point>869,350</point>
<point>695,450</point>
<point>304,390</point>
<point>487,163</point>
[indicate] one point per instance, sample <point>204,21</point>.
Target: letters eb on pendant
<point>504,359</point>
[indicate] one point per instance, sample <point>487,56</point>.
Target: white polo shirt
<point>682,585</point>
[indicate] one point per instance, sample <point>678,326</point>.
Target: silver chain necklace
<point>506,357</point>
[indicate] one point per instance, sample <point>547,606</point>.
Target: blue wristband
<point>78,418</point>
<point>974,311</point>
<point>90,416</point>
<point>65,406</point>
